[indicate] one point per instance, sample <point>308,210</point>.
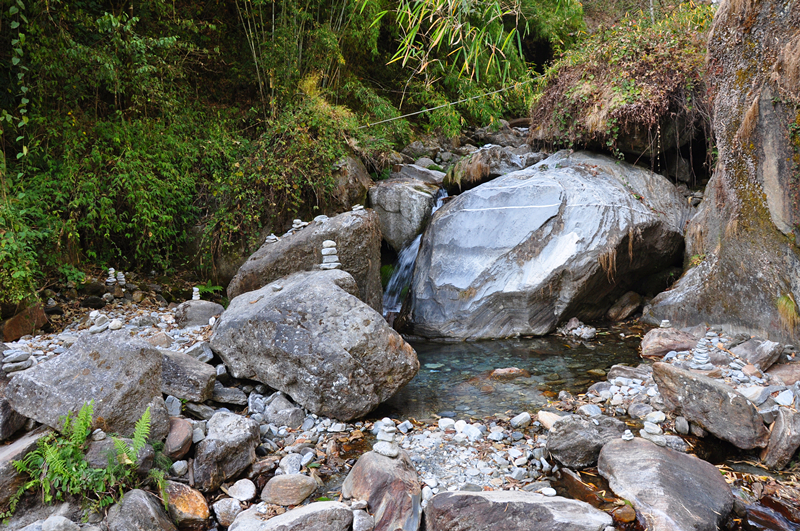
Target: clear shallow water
<point>454,378</point>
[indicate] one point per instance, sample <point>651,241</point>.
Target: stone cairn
<point>112,279</point>
<point>17,360</point>
<point>702,359</point>
<point>271,239</point>
<point>195,294</point>
<point>330,258</point>
<point>121,278</point>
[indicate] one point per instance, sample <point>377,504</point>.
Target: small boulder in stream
<point>575,441</point>
<point>318,516</point>
<point>565,237</point>
<point>228,448</point>
<point>673,491</point>
<point>309,336</point>
<point>511,511</point>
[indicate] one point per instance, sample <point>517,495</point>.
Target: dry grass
<point>787,309</point>
<point>608,263</point>
<point>749,122</point>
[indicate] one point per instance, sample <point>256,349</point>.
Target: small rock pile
<point>330,257</point>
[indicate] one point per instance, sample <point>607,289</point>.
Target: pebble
<point>179,468</point>
<point>116,324</point>
<point>656,417</point>
<point>548,491</point>
<point>784,398</point>
<point>522,420</point>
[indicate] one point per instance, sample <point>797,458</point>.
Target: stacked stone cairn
<point>271,239</point>
<point>330,257</point>
<point>17,360</point>
<point>112,279</point>
<point>195,294</point>
<point>384,431</point>
<point>701,359</point>
<point>121,278</point>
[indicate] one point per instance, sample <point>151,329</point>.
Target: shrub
<point>57,467</point>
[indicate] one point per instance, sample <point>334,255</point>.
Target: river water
<point>455,378</point>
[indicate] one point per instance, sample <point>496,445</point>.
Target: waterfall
<point>398,284</point>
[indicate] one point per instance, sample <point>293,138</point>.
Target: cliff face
<point>744,236</point>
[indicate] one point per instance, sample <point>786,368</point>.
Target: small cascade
<point>398,284</point>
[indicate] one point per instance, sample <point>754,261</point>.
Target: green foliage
<point>208,288</point>
<point>630,77</point>
<point>386,274</point>
<point>291,166</point>
<point>57,466</point>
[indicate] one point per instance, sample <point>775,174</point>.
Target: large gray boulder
<point>761,353</point>
<point>784,439</point>
<point>673,491</point>
<point>319,516</point>
<point>404,207</point>
<point>309,336</point>
<point>229,448</point>
<point>716,407</point>
<point>565,237</point>
<point>511,511</point>
<point>390,487</point>
<point>121,375</point>
<point>358,244</point>
<point>745,232</point>
<point>575,441</point>
<point>139,511</point>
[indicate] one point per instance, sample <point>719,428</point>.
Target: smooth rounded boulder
<point>672,490</point>
<point>404,207</point>
<point>566,237</point>
<point>309,336</point>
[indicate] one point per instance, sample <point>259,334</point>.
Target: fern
<point>157,476</point>
<point>57,466</point>
<point>141,432</point>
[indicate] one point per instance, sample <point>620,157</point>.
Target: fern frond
<point>141,432</point>
<point>82,424</point>
<point>123,451</point>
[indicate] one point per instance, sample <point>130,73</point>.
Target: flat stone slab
<point>672,490</point>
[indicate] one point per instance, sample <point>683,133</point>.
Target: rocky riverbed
<point>567,464</point>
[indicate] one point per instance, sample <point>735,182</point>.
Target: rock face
<point>658,341</point>
<point>121,375</point>
<point>229,448</point>
<point>319,516</point>
<point>309,332</point>
<point>672,490</point>
<point>625,306</point>
<point>511,511</point>
<point>138,511</point>
<point>390,487</point>
<point>358,242</point>
<point>750,202</point>
<point>566,237</point>
<point>713,405</point>
<point>404,207</point>
<point>196,313</point>
<point>576,441</point>
<point>352,183</point>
